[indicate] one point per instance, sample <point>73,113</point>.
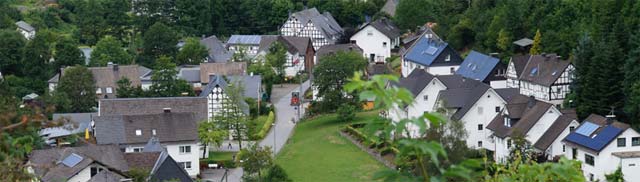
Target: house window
<point>563,148</point>
<point>425,97</point>
<point>109,90</point>
<point>589,159</point>
<point>591,177</point>
<point>138,132</point>
<point>370,33</point>
<point>509,143</point>
<point>574,153</point>
<point>384,44</point>
<point>448,58</point>
<point>452,70</point>
<point>480,127</point>
<point>95,170</point>
<point>480,110</point>
<point>497,108</point>
<point>635,141</point>
<point>622,142</point>
<point>153,132</point>
<point>571,128</point>
<point>185,165</point>
<point>137,149</point>
<point>507,122</point>
<point>479,143</point>
<point>99,91</point>
<point>185,149</point>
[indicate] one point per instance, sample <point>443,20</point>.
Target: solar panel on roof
<point>587,128</point>
<point>72,160</point>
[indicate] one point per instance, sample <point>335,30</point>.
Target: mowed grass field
<point>317,152</point>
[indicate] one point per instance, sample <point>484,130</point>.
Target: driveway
<point>279,134</point>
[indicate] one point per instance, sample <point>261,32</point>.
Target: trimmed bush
<point>267,125</point>
<point>346,112</point>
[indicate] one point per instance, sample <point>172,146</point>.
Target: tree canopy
<point>109,49</point>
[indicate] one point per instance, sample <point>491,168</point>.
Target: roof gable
<point>544,69</point>
<point>558,126</point>
<point>217,51</point>
<point>416,81</point>
<point>477,66</point>
<point>524,112</point>
<point>323,22</point>
<point>384,26</point>
<point>47,167</point>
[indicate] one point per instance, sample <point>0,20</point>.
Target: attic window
<point>138,132</point>
<point>153,132</point>
<point>534,71</point>
<point>370,33</point>
<point>448,58</point>
<point>109,90</point>
<point>99,91</point>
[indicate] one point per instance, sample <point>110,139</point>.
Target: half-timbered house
<point>321,28</point>
<point>544,76</point>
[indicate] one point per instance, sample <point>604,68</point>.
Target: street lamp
<point>274,138</point>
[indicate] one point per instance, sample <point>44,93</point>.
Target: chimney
<point>531,102</point>
<point>167,110</point>
<point>115,67</point>
<point>611,116</point>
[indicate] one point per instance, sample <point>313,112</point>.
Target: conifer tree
<point>535,48</point>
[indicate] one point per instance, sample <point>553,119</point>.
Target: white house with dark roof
<point>602,145</point>
<point>249,44</point>
<point>544,76</point>
<point>26,30</point>
<point>431,54</point>
<point>176,132</point>
<point>299,55</point>
<point>321,28</point>
<point>376,39</point>
<point>106,78</point>
<point>540,123</point>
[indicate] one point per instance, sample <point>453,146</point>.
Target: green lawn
<point>221,156</point>
<point>317,152</point>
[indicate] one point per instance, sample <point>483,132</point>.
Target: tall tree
<point>254,160</point>
<point>36,58</point>
<point>116,18</point>
<point>166,82</point>
<point>150,12</point>
<point>10,51</point>
<point>91,23</point>
<point>159,40</point>
<point>192,52</point>
<point>108,50</point>
<point>194,17</point>
<point>413,13</point>
<point>233,116</point>
<point>536,47</point>
<point>211,133</point>
<point>277,57</point>
<point>585,67</point>
<point>67,54</point>
<point>76,91</point>
<point>331,74</point>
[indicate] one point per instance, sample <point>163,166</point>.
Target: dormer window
<point>109,90</point>
<point>507,122</point>
<point>138,132</point>
<point>99,91</point>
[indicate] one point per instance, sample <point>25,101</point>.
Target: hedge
<point>223,163</point>
<point>267,125</point>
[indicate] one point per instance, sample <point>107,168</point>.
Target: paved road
<point>282,130</point>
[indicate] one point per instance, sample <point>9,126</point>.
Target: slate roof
<point>624,155</point>
<point>463,98</point>
<point>168,170</point>
<point>324,22</point>
<point>244,40</point>
<point>230,68</point>
<point>293,44</point>
<point>25,26</point>
<point>385,26</point>
<point>170,127</point>
<point>544,69</point>
<point>217,51</point>
<point>153,145</point>
<point>524,112</point>
<point>558,126</point>
<point>390,7</point>
<point>507,93</point>
<point>425,51</point>
<point>416,81</point>
<point>48,168</point>
<point>190,73</point>
<point>523,42</point>
<point>142,160</point>
<point>477,66</point>
<point>519,62</point>
<point>108,76</point>
<point>156,105</point>
<point>252,85</point>
<point>605,133</point>
<point>106,176</point>
<point>75,123</point>
<point>335,48</point>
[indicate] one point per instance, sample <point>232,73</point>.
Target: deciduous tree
<point>192,52</point>
<point>67,54</point>
<point>76,91</point>
<point>10,51</point>
<point>166,82</point>
<point>108,50</point>
<point>158,40</point>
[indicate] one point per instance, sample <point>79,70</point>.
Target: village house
<point>538,122</point>
<point>26,30</point>
<point>106,78</point>
<point>300,53</point>
<point>247,44</point>
<point>333,49</point>
<point>102,163</point>
<point>544,76</point>
<point>377,39</point>
<point>431,54</point>
<point>484,68</point>
<point>175,132</point>
<point>603,145</point>
<point>321,28</point>
<point>217,51</point>
<point>73,123</point>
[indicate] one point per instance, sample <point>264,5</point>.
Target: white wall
<point>604,162</point>
<point>555,149</point>
<point>512,77</point>
<point>442,70</point>
<point>291,71</point>
<point>498,84</point>
<point>631,169</point>
<point>371,41</point>
<point>85,174</point>
<point>27,35</point>
<point>431,90</point>
<point>174,151</point>
<point>475,116</point>
<point>542,125</point>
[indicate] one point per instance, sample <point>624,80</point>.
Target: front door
<point>372,57</point>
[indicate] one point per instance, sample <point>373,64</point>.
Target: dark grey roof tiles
<point>416,81</point>
<point>325,22</point>
<point>559,125</point>
<point>523,111</point>
<point>217,51</point>
<point>386,27</point>
<point>47,168</point>
<point>507,93</point>
<point>134,106</point>
<point>169,127</point>
<point>335,48</point>
<point>544,69</point>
